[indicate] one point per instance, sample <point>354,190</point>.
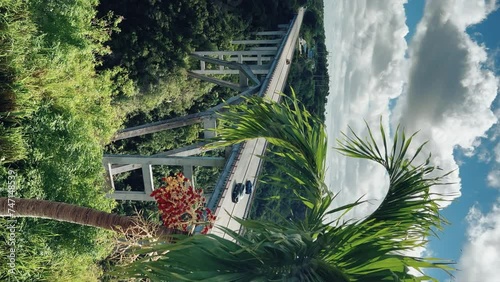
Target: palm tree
<point>316,248</point>
<point>35,208</point>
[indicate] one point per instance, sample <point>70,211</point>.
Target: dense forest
<point>72,73</point>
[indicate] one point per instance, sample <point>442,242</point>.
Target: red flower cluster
<point>181,206</point>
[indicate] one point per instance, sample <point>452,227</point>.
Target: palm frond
<point>266,252</point>
<point>300,137</point>
<point>314,249</point>
<point>409,212</point>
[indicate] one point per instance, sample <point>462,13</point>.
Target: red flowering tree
<point>182,206</point>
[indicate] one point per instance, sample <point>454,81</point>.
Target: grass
<point>37,260</point>
<point>55,116</point>
<point>57,113</point>
<point>59,108</point>
<point>11,144</point>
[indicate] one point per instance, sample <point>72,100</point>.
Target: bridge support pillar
<point>272,33</point>
<point>243,80</point>
<point>146,163</point>
<point>257,41</point>
<point>147,176</point>
<point>169,160</point>
<point>188,172</point>
<point>258,59</point>
<point>209,126</point>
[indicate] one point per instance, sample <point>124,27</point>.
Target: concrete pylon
<point>147,163</point>
<point>248,65</point>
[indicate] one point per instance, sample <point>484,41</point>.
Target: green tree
<point>322,247</point>
<point>34,208</point>
<point>157,37</point>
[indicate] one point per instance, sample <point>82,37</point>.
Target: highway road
<point>248,163</point>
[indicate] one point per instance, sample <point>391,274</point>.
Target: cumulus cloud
<point>449,93</point>
<point>494,178</point>
<point>494,132</point>
<point>496,150</point>
<point>367,69</point>
<point>481,253</point>
<point>442,90</point>
<point>463,12</point>
<point>484,155</point>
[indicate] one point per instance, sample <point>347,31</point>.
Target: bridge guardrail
<point>228,169</point>
<point>265,83</point>
<point>221,183</point>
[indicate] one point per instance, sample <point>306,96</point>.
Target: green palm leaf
<point>315,249</point>
<point>300,139</point>
<point>409,212</point>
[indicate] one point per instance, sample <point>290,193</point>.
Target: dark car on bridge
<point>238,192</point>
<point>248,187</point>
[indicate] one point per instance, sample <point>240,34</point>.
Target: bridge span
<point>242,163</point>
<point>247,166</point>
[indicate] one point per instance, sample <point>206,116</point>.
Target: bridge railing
<point>223,178</point>
<point>231,162</point>
<point>265,83</point>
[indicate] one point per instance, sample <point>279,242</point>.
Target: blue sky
<point>432,67</point>
<point>474,171</point>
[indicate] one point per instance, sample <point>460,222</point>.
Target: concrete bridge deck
<point>243,162</point>
<point>247,164</point>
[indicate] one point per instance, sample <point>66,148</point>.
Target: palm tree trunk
<point>34,208</point>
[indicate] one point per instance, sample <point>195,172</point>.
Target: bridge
<point>270,57</point>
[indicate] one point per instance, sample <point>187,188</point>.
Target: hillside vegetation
<point>72,73</point>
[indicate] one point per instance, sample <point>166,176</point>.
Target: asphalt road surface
<point>248,162</point>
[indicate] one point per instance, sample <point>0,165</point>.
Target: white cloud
<point>463,12</point>
<point>367,69</point>
<point>494,131</point>
<point>473,150</point>
<point>481,254</point>
<point>494,178</point>
<point>496,150</point>
<point>484,155</point>
<point>449,93</point>
<point>443,90</point>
